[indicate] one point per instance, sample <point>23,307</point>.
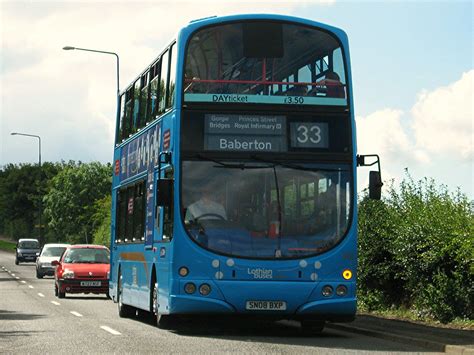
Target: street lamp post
<point>40,172</point>
<point>69,48</point>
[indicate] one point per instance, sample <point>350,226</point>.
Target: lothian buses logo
<point>261,273</point>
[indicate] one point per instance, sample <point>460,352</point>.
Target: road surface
<point>33,320</point>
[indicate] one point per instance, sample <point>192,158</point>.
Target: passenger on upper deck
<point>334,87</point>
<point>298,90</point>
<point>193,85</point>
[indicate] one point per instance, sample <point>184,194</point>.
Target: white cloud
<point>443,118</point>
<point>437,128</point>
<point>68,97</point>
<point>382,132</point>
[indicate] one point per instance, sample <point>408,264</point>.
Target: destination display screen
<point>261,133</point>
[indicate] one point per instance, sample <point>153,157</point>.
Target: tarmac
<point>439,339</point>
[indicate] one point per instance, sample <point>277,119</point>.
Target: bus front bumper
<point>335,310</point>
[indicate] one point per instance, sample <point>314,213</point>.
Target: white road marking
<point>40,294</point>
<point>23,281</point>
<point>17,278</point>
<point>30,286</point>
<point>110,330</point>
<point>13,274</point>
<point>76,314</point>
<point>56,303</point>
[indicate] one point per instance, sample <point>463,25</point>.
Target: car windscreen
<point>53,251</point>
<point>29,244</point>
<point>87,256</point>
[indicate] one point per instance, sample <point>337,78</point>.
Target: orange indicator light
<point>347,274</point>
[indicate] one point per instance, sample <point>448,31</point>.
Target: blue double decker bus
<point>234,191</point>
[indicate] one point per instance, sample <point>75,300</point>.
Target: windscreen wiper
<point>291,166</point>
<point>221,164</point>
<point>280,219</point>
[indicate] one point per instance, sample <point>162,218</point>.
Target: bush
<point>416,249</point>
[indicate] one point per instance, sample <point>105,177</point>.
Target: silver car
<point>49,253</point>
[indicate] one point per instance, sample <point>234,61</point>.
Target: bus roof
<point>194,24</point>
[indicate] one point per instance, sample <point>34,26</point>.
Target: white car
<point>49,253</point>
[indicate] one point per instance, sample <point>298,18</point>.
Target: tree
<point>69,204</point>
<point>102,219</point>
<point>22,187</point>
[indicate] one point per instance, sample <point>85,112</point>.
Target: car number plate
<point>265,306</point>
<point>91,283</point>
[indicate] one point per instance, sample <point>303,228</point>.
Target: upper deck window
<point>265,62</point>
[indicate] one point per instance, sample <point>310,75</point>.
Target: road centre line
<point>13,274</point>
<point>23,281</point>
<point>30,286</point>
<point>76,313</point>
<point>40,294</point>
<point>16,277</point>
<point>110,330</point>
<point>56,303</point>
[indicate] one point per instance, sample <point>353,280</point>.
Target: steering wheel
<point>210,215</point>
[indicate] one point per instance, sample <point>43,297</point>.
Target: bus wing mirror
<point>165,192</point>
<point>375,177</point>
<point>375,185</point>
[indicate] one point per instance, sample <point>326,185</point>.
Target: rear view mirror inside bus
<point>375,185</point>
<point>165,192</point>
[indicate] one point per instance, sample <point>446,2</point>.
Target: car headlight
<point>68,274</point>
<point>19,254</point>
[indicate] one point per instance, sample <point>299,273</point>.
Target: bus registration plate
<point>91,283</point>
<point>265,306</point>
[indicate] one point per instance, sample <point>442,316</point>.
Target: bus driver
<point>206,207</point>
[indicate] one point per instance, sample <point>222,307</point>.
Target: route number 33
<point>308,133</point>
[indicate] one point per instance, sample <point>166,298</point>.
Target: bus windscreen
<point>265,62</point>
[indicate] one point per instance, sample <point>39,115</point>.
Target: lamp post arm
<point>106,52</point>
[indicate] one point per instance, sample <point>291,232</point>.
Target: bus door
<point>163,232</point>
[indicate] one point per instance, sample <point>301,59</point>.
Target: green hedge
<point>416,251</point>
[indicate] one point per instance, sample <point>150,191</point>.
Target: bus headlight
<point>341,290</point>
<point>204,289</point>
<point>327,291</point>
<point>190,288</point>
<point>183,271</point>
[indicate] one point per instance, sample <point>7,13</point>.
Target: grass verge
<point>7,246</point>
<point>407,315</point>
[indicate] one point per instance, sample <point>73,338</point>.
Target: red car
<point>82,269</point>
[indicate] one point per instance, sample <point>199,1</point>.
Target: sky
<point>412,70</point>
